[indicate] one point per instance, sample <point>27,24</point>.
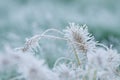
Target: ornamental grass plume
<point>80,38</point>
<point>80,41</point>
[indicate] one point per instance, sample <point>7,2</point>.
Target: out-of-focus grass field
<point>20,19</point>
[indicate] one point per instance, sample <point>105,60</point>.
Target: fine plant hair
<point>91,60</point>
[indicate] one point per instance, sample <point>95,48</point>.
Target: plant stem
<point>76,55</point>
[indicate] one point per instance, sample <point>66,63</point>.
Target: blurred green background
<point>20,19</point>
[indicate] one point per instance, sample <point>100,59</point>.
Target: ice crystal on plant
<point>80,38</point>
<point>31,43</point>
<point>80,41</point>
<point>95,61</point>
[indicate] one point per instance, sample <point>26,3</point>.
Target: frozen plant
<point>91,60</point>
<point>80,41</point>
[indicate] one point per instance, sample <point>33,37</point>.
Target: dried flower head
<point>80,42</point>
<point>30,43</point>
<point>79,37</point>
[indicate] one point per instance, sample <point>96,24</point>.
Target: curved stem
<point>55,37</point>
<point>76,55</point>
<point>52,30</point>
<point>62,58</point>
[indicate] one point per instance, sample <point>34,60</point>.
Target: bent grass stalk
<point>26,47</point>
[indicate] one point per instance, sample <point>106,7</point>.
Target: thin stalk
<point>54,37</point>
<point>76,55</point>
<point>62,58</point>
<point>55,30</point>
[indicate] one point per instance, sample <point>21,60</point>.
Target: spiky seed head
<point>80,38</point>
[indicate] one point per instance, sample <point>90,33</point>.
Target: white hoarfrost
<point>30,67</point>
<point>92,61</point>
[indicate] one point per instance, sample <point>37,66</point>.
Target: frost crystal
<point>79,37</point>
<point>95,61</point>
